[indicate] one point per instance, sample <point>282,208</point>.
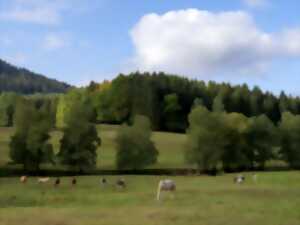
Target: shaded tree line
<point>9,100</point>
<point>30,145</point>
<point>218,140</point>
<point>167,100</point>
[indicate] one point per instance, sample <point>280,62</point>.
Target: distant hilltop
<point>23,81</point>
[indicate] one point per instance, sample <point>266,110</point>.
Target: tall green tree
<point>234,155</point>
<point>262,138</point>
<point>135,149</point>
<point>205,139</point>
<point>30,144</point>
<point>218,105</point>
<point>7,108</point>
<point>80,139</point>
<point>66,103</point>
<point>290,139</point>
<point>255,101</point>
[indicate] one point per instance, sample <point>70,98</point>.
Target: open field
<point>170,146</point>
<point>273,200</point>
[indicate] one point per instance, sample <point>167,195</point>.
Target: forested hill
<point>23,81</point>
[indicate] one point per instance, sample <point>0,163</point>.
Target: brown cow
<point>74,181</point>
<point>23,179</point>
<point>121,183</point>
<point>57,182</point>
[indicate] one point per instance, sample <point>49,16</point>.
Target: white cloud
<point>198,43</point>
<point>54,41</point>
<point>256,3</point>
<point>45,12</point>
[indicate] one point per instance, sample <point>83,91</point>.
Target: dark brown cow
<point>74,181</point>
<point>121,183</point>
<point>57,182</point>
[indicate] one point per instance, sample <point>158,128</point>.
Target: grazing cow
<point>165,185</point>
<point>57,182</point>
<point>43,180</point>
<point>121,183</point>
<point>239,179</point>
<point>74,181</point>
<point>23,179</point>
<point>103,181</point>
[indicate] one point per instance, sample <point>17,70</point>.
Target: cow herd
<point>120,183</point>
<point>166,185</point>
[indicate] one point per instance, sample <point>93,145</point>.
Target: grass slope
<point>274,200</point>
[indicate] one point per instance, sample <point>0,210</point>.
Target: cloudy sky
<point>237,41</point>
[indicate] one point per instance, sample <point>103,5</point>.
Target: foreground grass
<point>170,147</point>
<point>273,200</point>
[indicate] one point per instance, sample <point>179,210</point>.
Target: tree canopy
<point>135,149</point>
<point>29,145</point>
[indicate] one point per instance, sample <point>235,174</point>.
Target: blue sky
<point>252,41</point>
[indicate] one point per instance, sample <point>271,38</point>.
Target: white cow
<point>43,180</point>
<point>165,185</point>
<point>239,179</point>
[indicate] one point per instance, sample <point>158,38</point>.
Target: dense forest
<point>167,99</point>
<point>23,81</point>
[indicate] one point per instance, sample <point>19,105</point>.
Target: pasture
<point>273,200</point>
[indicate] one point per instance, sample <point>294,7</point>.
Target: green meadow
<point>272,200</point>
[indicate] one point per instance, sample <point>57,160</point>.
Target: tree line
<point>167,100</point>
<point>228,127</point>
<point>30,145</point>
<point>218,140</point>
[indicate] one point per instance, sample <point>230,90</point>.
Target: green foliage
<point>172,115</point>
<point>218,105</point>
<point>68,101</point>
<point>229,139</point>
<point>7,108</point>
<point>80,139</point>
<point>262,138</point>
<point>234,155</point>
<point>171,103</point>
<point>60,112</point>
<point>135,149</point>
<point>206,140</point>
<point>29,145</point>
<point>101,99</point>
<point>161,96</point>
<point>290,139</point>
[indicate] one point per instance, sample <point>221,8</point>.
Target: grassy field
<point>273,200</point>
<point>170,146</point>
